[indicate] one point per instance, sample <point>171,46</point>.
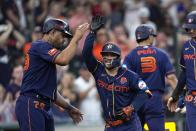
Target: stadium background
<point>20,24</point>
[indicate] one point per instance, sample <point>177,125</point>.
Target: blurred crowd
<point>21,23</point>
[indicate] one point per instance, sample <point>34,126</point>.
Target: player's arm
<point>139,99</point>
<point>142,92</point>
<point>172,79</point>
<point>87,54</point>
<point>170,73</point>
<point>142,95</point>
<point>180,85</point>
<point>172,102</point>
<point>92,64</point>
<point>128,61</point>
<point>74,113</point>
<point>67,54</point>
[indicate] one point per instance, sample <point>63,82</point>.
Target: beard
<point>62,45</point>
<point>193,35</point>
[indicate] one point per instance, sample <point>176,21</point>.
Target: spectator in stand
<point>156,13</point>
<point>7,107</point>
<point>102,36</point>
<point>15,11</point>
<point>122,38</point>
<point>14,87</point>
<point>41,11</point>
<point>35,35</point>
<point>85,87</point>
<point>144,15</point>
<point>55,10</point>
<point>80,14</point>
<point>113,11</point>
<point>5,31</point>
<point>11,43</point>
<point>65,88</point>
<point>5,67</point>
<point>132,14</point>
<point>14,47</point>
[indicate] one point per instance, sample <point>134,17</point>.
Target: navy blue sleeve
<point>180,85</point>
<point>47,52</point>
<point>181,79</point>
<point>128,62</point>
<point>136,83</point>
<point>87,54</point>
<point>182,63</point>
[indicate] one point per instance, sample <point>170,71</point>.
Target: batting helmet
<point>190,21</point>
<point>143,32</point>
<point>112,48</point>
<point>57,24</point>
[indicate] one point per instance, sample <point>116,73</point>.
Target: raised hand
<point>80,31</point>
<point>97,23</point>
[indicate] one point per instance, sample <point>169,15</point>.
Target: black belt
<point>37,96</point>
<point>157,92</point>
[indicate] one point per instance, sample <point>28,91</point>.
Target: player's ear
<point>52,31</point>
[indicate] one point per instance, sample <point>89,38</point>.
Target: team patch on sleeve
<point>142,85</point>
<point>52,51</point>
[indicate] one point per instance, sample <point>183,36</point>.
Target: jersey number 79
<point>148,64</point>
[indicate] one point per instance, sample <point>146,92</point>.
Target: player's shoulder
<point>128,71</point>
<point>132,52</point>
<point>160,51</point>
<point>99,68</point>
<point>40,44</point>
<point>187,43</point>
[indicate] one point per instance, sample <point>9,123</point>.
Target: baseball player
<point>121,91</point>
<point>152,65</point>
<point>188,74</point>
<point>39,85</point>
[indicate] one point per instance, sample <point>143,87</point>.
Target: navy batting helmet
<point>57,24</point>
<point>143,32</point>
<point>111,48</point>
<point>190,21</point>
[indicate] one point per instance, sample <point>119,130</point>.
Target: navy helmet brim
<point>103,52</point>
<point>189,26</point>
<point>69,34</point>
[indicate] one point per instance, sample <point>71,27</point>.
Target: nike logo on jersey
<point>186,48</point>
